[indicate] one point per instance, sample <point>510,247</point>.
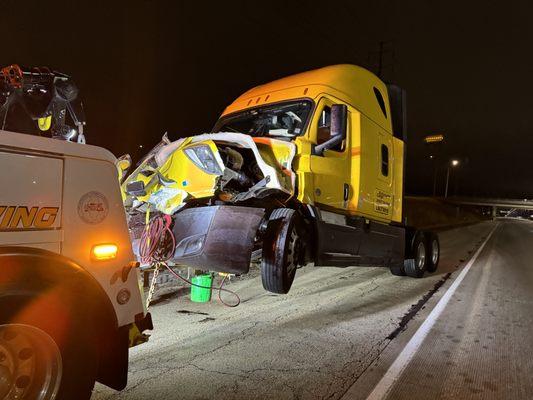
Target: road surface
<point>480,346</point>
<point>318,342</point>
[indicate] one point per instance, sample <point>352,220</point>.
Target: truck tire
<point>45,352</point>
<point>415,267</point>
<point>281,252</point>
<point>434,251</point>
<point>397,270</point>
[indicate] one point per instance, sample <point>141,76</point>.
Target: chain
<point>152,286</point>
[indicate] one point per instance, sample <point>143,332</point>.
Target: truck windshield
<point>281,120</point>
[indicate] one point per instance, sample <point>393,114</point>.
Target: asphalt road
<point>480,346</point>
<point>313,343</point>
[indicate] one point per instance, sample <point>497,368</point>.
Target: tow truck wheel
<point>282,251</point>
<point>415,267</point>
<point>434,251</point>
<point>45,353</point>
<point>30,363</point>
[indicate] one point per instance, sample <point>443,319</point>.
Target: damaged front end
<point>216,188</point>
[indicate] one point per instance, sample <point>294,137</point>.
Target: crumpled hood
<point>171,174</point>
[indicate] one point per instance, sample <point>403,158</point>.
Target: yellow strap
<point>44,123</point>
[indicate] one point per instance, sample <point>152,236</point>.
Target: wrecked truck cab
<point>217,188</point>
<point>308,168</point>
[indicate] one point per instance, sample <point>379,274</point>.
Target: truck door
<point>331,171</point>
<point>384,196</point>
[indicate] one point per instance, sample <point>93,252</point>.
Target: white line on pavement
<point>398,366</point>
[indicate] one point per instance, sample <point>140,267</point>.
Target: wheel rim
<point>434,252</point>
<point>292,252</point>
<point>420,256</point>
<point>30,363</point>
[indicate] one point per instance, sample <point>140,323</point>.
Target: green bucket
<point>201,294</point>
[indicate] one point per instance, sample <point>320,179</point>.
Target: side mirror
<point>123,165</point>
<point>339,120</point>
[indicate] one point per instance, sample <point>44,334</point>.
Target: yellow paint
<point>44,123</point>
<point>321,179</point>
<point>277,154</point>
<point>349,181</point>
<point>186,178</point>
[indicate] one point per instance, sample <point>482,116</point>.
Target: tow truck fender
<point>26,272</point>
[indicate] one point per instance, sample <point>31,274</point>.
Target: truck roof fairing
<point>350,83</point>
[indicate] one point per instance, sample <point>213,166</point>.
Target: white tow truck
<point>70,300</point>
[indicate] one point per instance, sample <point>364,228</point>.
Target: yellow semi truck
<point>305,169</point>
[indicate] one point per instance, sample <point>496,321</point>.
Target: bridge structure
<point>493,203</point>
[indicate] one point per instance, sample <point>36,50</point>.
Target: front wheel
<point>282,251</point>
<point>31,366</point>
<point>46,350</point>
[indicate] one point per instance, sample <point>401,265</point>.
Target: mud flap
<point>216,238</point>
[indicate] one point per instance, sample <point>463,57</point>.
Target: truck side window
<point>381,102</point>
<point>323,131</point>
<point>384,160</point>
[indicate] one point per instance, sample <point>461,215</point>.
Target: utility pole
<point>447,181</point>
<point>380,59</point>
<point>452,163</point>
<point>434,178</point>
<point>434,143</point>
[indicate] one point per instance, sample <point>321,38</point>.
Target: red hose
<point>158,245</point>
<point>153,246</point>
<point>220,288</point>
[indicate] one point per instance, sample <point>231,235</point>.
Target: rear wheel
<point>434,252</point>
<point>397,270</point>
<point>282,251</point>
<point>415,267</point>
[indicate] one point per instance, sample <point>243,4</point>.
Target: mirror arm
<point>318,150</point>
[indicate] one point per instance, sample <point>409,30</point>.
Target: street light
<point>453,163</point>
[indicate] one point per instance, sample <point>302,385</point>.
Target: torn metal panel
<point>217,238</point>
<point>197,167</point>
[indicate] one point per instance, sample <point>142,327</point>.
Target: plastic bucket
<point>201,294</point>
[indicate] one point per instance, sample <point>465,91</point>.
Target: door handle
<point>346,191</point>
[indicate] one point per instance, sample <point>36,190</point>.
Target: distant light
<point>455,163</point>
<point>431,157</point>
<point>434,138</point>
<point>140,146</point>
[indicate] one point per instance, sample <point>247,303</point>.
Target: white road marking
<point>394,372</point>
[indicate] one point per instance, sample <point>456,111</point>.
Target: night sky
<point>146,67</point>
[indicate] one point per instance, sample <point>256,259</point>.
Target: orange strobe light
<point>102,252</point>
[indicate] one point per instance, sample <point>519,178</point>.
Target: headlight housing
<point>203,158</point>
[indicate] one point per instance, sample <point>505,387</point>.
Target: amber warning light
<point>102,252</point>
